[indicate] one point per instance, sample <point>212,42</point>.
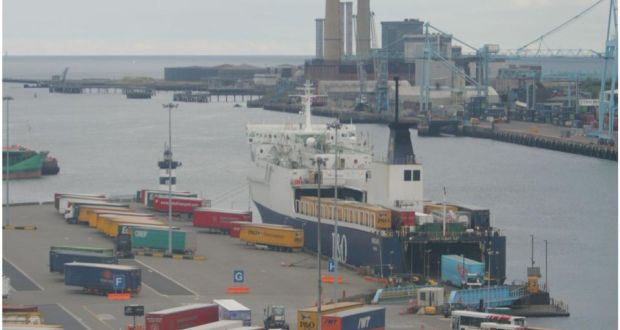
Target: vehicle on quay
<point>103,278</point>
<point>377,203</point>
<point>274,237</point>
<point>218,220</point>
<point>469,320</point>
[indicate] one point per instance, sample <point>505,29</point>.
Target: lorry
<point>153,238</point>
<point>57,197</point>
<point>182,317</point>
<point>58,259</point>
<point>180,205</point>
<point>274,318</point>
<point>93,249</point>
<point>461,272</point>
<point>219,325</point>
<point>361,318</point>
<point>275,237</point>
<point>103,278</point>
<point>109,223</point>
<point>218,220</point>
<point>73,208</point>
<point>307,318</point>
<point>230,309</point>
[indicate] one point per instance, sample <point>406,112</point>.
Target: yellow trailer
<point>307,317</point>
<point>364,214</point>
<point>88,214</point>
<point>108,223</point>
<point>277,237</point>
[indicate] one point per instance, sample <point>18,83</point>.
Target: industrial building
<point>393,33</point>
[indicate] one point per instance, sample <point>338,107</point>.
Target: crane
<point>607,108</point>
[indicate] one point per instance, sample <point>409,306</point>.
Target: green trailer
<point>155,238</point>
<point>90,249</point>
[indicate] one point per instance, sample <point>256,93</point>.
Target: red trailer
<point>235,228</point>
<point>182,317</point>
<point>219,220</point>
<point>179,204</point>
<point>407,218</point>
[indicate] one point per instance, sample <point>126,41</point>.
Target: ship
<point>371,211</point>
<point>24,163</point>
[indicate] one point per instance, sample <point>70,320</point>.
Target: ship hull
<point>355,247</point>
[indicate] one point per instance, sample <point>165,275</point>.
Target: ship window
<point>407,175</point>
<point>416,175</point>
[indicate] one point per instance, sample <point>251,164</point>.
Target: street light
<point>319,161</point>
<point>170,106</point>
<point>7,99</point>
<point>335,255</point>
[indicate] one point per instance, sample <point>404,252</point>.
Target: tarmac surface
<point>281,278</point>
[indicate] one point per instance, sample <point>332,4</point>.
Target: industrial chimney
<point>363,29</point>
<point>332,44</point>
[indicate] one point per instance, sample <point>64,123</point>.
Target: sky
<point>274,27</point>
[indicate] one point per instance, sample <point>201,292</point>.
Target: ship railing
<point>559,305</point>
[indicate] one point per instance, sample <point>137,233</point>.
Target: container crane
<point>607,107</point>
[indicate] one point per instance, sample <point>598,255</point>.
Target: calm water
<point>106,143</point>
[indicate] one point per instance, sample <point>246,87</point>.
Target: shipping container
<point>348,211</point>
<point>362,318</point>
<point>93,215</point>
<point>430,208</point>
<point>57,197</point>
<point>14,326</point>
<point>89,213</point>
<point>108,223</point>
<point>219,220</point>
<point>277,237</point>
<point>156,238</point>
<point>143,194</point>
<point>403,218</point>
<point>307,317</point>
<point>480,218</point>
<point>180,205</point>
<point>73,210</point>
<point>19,308</point>
<point>64,203</point>
<point>58,259</point>
<point>232,310</point>
<point>235,228</point>
<point>28,317</point>
<point>219,325</point>
<point>91,249</point>
<point>182,317</point>
<point>100,278</point>
<point>151,194</point>
<point>460,271</point>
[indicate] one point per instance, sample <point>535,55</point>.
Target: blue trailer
<point>362,318</point>
<point>58,259</point>
<point>103,278</point>
<point>460,271</point>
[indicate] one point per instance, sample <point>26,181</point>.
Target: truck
<point>218,220</point>
<point>219,325</point>
<point>149,196</point>
<point>92,249</point>
<point>230,309</point>
<point>73,208</point>
<point>58,196</point>
<point>103,278</point>
<point>154,238</point>
<point>182,317</point>
<point>461,272</point>
<point>275,237</point>
<point>307,318</point>
<point>274,318</point>
<point>58,259</point>
<point>180,204</point>
<point>109,223</point>
<point>362,318</point>
<point>92,215</point>
<point>88,213</point>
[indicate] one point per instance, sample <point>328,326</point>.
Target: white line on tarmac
<point>168,277</point>
<point>23,273</point>
<point>97,318</point>
<point>74,316</point>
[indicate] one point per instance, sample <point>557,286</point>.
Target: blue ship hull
<point>355,247</point>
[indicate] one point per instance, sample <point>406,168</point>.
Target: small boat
<point>24,163</point>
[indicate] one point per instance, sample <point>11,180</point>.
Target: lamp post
<point>319,161</point>
<point>335,240</point>
<point>7,99</point>
<point>170,106</point>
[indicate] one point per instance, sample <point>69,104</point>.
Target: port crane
<point>607,105</point>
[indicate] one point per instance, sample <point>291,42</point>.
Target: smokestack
<point>363,28</point>
<point>319,37</point>
<point>342,27</point>
<point>348,14</point>
<point>332,45</point>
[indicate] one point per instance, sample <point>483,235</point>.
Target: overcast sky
<point>221,27</point>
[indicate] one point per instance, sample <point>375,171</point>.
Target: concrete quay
<point>169,282</point>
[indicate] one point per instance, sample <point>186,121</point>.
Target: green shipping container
<point>157,239</point>
<point>455,227</point>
